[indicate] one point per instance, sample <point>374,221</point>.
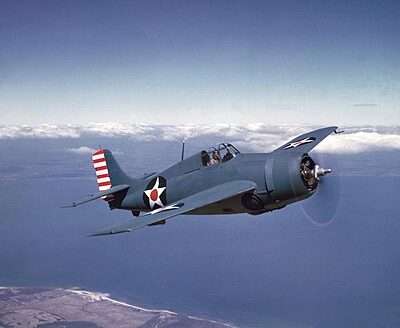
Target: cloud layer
<point>259,137</point>
<point>81,150</point>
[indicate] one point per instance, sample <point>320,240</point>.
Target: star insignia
<point>299,143</point>
<point>154,193</point>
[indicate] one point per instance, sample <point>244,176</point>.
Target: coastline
<point>73,307</point>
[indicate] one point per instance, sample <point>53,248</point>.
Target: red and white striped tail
<point>102,174</point>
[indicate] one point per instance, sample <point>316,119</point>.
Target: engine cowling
<point>290,178</point>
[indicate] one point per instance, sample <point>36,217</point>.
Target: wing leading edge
<point>185,205</point>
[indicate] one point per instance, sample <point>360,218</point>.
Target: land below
<point>75,308</point>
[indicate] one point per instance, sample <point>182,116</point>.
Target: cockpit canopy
<point>213,156</point>
<point>219,154</point>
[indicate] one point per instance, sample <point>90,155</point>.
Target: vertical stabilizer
<point>101,168</point>
<point>108,171</point>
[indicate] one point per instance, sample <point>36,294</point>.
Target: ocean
<point>277,269</point>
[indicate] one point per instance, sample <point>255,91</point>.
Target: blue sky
<point>306,62</point>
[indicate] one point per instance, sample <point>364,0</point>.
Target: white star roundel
<point>155,194</point>
<point>299,143</point>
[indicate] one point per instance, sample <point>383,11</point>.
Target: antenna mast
<point>183,149</point>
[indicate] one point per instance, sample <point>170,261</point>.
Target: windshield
<point>220,154</point>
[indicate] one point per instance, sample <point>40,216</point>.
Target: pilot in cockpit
<point>215,158</point>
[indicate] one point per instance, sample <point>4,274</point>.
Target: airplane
<point>220,180</point>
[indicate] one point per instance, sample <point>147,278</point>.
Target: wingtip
<point>95,235</point>
<point>108,232</point>
<point>69,206</point>
<point>100,233</point>
<point>333,127</point>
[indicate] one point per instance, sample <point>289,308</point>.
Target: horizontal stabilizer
<point>98,195</point>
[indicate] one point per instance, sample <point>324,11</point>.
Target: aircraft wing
<point>100,194</point>
<point>307,141</point>
<point>190,203</point>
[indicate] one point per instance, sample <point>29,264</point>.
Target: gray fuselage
<point>276,176</point>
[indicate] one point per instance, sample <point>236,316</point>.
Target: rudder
<point>108,171</point>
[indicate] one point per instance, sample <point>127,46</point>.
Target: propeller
<point>322,206</point>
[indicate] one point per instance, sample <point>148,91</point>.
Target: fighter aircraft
<point>219,180</point>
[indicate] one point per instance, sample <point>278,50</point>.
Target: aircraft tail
<point>108,172</point>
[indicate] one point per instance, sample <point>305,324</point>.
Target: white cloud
<point>81,150</point>
<point>39,131</point>
<point>258,137</point>
<point>358,142</point>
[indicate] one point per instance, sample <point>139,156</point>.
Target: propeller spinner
<point>321,207</point>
